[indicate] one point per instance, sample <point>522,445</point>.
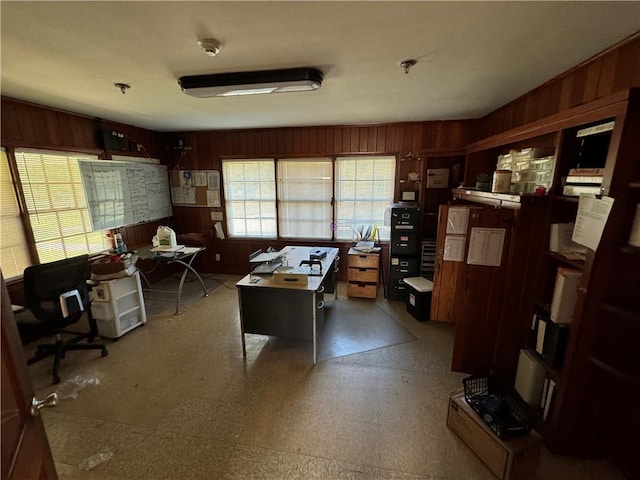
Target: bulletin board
<point>124,193</point>
<point>195,188</point>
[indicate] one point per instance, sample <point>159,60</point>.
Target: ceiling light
<point>210,46</point>
<point>251,83</point>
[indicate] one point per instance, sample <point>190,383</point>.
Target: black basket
<point>503,412</point>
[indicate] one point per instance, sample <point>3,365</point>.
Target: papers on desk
<point>167,248</point>
<point>366,247</point>
<point>265,257</point>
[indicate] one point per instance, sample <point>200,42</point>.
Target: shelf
<point>622,312</point>
<point>635,184</point>
<point>506,200</point>
<point>564,198</point>
<point>631,250</point>
<point>579,264</point>
<point>410,181</point>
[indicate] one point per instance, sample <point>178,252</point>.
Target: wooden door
<point>480,296</point>
<point>25,449</point>
<point>446,276</point>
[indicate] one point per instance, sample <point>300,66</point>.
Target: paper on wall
<point>437,178</point>
<point>454,248</point>
<point>485,246</point>
<point>213,198</point>
<point>591,220</point>
<point>457,220</point>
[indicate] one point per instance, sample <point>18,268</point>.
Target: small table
<point>183,256</point>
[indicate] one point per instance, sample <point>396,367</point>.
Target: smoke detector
<point>210,46</point>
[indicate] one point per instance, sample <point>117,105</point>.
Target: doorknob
<point>36,405</point>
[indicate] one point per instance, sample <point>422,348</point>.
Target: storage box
<point>419,297</point>
<point>512,459</point>
<point>118,306</point>
<point>565,294</point>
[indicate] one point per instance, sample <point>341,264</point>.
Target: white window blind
<point>14,254</point>
<point>305,189</point>
<point>56,205</point>
<point>250,197</point>
<point>364,189</point>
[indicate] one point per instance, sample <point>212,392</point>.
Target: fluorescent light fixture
<point>251,83</point>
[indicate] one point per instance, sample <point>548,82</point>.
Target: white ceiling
<point>472,57</point>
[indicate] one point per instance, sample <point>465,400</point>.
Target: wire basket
<point>504,413</point>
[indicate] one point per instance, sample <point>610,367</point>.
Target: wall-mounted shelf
<point>505,200</point>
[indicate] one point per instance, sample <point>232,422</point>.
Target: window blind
<point>305,189</point>
<point>250,198</point>
<point>56,205</point>
<point>364,189</point>
<point>14,254</point>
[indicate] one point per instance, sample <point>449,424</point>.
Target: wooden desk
<point>286,310</point>
<point>185,257</point>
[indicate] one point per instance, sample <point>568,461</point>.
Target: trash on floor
<point>93,461</point>
<point>70,388</point>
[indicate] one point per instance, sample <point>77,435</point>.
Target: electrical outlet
<point>217,257</point>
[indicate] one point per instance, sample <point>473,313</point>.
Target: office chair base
<point>58,350</point>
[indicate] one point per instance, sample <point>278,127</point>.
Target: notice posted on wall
<point>485,246</point>
<point>593,214</point>
<point>196,188</point>
<point>454,248</point>
<point>457,220</point>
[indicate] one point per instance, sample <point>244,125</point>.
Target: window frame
<point>19,190</point>
<point>334,203</point>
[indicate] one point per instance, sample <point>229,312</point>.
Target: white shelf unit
<point>118,306</point>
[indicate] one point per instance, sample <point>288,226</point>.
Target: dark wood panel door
<point>480,292</point>
<point>25,448</point>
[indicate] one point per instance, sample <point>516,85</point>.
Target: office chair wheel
<point>56,379</point>
<point>104,353</point>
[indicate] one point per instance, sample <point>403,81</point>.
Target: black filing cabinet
<point>404,248</point>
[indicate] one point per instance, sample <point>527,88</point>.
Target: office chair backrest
<point>43,285</point>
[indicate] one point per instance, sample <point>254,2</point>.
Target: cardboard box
<point>514,459</point>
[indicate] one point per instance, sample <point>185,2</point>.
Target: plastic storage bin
<point>419,297</point>
<point>118,306</point>
<point>505,413</point>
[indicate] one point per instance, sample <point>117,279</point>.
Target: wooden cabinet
<point>362,275</point>
<point>593,412</point>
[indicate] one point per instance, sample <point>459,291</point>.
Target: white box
<point>565,294</point>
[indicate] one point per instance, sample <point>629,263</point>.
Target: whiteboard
<point>124,193</point>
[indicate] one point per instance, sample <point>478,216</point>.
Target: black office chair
<point>56,293</point>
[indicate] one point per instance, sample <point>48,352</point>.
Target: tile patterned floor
<point>176,400</point>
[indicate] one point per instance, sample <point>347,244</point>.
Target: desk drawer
<point>363,275</point>
<point>363,261</point>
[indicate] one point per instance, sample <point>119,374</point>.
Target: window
<point>250,198</point>
<point>13,246</point>
<point>56,205</point>
<point>305,190</point>
<point>364,189</point>
<point>310,203</point>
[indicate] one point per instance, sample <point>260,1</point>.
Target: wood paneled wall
<point>615,69</point>
<point>29,125</point>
